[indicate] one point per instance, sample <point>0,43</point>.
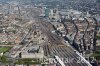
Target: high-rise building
<point>54,14</point>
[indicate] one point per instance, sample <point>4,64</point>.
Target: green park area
<point>28,61</point>
<point>4,49</point>
<point>98,37</point>
<point>4,59</point>
<point>96,54</point>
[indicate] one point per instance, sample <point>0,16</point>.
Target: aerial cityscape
<point>49,32</point>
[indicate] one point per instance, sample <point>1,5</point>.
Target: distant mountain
<point>4,1</point>
<point>53,1</point>
<point>98,1</point>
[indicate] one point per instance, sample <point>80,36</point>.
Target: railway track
<point>54,46</point>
